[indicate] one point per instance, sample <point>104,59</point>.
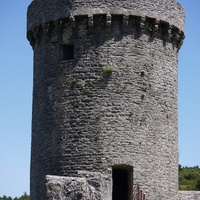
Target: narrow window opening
<point>68,52</point>
<point>122,183</point>
<point>142,97</point>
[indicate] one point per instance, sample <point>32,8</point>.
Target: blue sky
<point>189,83</point>
<point>15,97</point>
<point>16,68</point>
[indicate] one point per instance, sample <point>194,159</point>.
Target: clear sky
<point>189,83</point>
<point>16,68</point>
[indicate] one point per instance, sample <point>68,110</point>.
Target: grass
<point>108,69</point>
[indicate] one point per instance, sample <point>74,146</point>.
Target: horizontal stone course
<point>189,195</point>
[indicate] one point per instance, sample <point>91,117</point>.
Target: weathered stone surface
<point>66,188</point>
<point>86,117</point>
<point>189,195</point>
<point>42,11</point>
<point>99,184</point>
<point>92,186</point>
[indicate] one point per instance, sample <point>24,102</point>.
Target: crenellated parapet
<point>41,11</point>
<point>116,25</point>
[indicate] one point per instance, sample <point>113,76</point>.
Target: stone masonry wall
<point>91,187</point>
<point>42,11</point>
<point>189,195</point>
<point>112,102</point>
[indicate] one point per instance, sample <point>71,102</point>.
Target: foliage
<point>108,69</point>
<point>198,184</point>
<point>189,178</point>
<point>23,197</point>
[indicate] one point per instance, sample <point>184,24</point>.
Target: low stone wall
<point>89,186</point>
<point>189,195</point>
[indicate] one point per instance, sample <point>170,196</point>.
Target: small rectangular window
<point>68,52</point>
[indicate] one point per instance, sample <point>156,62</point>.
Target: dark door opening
<point>120,184</point>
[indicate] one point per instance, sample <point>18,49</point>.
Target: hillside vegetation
<point>189,178</point>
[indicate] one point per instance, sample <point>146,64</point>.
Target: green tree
<point>179,167</point>
<point>190,176</point>
<point>198,184</point>
<point>24,197</point>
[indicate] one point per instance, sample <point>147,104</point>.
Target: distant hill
<point>189,178</point>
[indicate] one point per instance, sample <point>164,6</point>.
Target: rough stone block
<point>91,186</point>
<point>189,195</point>
<point>66,188</point>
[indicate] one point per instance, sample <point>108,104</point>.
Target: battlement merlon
<point>43,11</point>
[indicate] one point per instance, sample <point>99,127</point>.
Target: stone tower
<point>105,98</point>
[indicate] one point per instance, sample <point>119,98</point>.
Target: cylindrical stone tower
<point>105,94</point>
